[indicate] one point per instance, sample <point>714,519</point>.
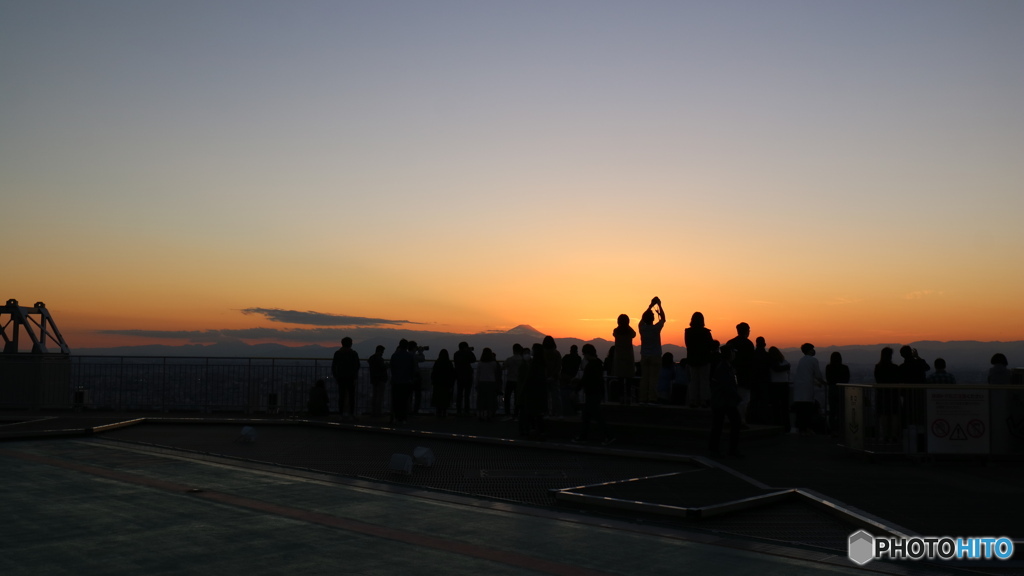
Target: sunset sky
<point>841,172</point>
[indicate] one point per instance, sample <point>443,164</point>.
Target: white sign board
<point>958,421</point>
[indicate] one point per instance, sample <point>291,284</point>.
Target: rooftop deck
<point>117,493</point>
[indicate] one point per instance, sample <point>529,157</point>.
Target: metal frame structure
<point>40,332</point>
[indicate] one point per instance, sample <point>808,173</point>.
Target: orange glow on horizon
<point>823,325</point>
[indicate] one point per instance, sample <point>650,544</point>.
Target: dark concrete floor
<point>76,496</point>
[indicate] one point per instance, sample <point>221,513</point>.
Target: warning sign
<point>940,428</point>
<point>958,421</point>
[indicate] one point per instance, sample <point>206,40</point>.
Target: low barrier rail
<point>934,418</point>
<point>196,384</point>
<point>250,385</point>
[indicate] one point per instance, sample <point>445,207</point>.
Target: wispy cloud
<point>311,318</point>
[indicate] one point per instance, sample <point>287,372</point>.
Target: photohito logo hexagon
<point>861,547</point>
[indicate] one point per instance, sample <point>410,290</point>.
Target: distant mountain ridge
<point>968,360</point>
<point>526,330</point>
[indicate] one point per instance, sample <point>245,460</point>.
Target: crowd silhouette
<point>743,382</point>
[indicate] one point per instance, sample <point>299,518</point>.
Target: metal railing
<point>250,385</point>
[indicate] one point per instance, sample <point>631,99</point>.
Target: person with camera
<point>650,351</point>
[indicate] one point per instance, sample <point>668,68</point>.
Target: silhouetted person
<point>758,412</point>
<point>442,380</point>
<point>318,400</point>
<point>725,399</point>
<point>464,360</point>
<point>743,364</point>
<point>609,362</point>
<point>940,376</point>
<point>669,376</point>
<point>650,351</point>
<point>886,372</point>
<point>345,369</point>
<point>779,394</point>
<point>836,373</point>
<point>807,377</point>
<point>913,370</point>
<point>403,371</point>
<point>512,365</point>
<point>624,367</point>
<point>525,367</point>
<point>999,373</point>
<point>699,354</point>
<point>681,383</point>
<point>417,377</point>
<point>571,364</point>
<point>487,374</point>
<point>531,416</point>
<point>888,399</point>
<point>378,380</point>
<point>552,370</point>
<point>592,385</point>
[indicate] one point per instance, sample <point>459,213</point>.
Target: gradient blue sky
<point>843,172</point>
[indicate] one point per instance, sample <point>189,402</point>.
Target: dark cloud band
<point>311,318</point>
